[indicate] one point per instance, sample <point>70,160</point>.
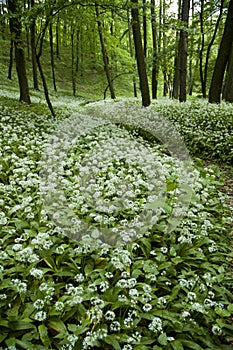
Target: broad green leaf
<point>162,339</point>
<point>43,331</point>
<point>177,345</point>
<point>111,340</point>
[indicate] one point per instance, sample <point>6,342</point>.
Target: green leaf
<point>43,331</point>
<point>111,340</point>
<point>177,345</point>
<point>162,339</point>
<point>191,345</point>
<point>58,326</point>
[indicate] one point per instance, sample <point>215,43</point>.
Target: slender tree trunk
<point>144,86</point>
<point>144,28</point>
<point>105,55</point>
<point>131,53</point>
<point>38,56</point>
<point>201,17</point>
<point>176,80</point>
<point>77,51</point>
<point>73,66</point>
<point>33,51</point>
<point>222,58</point>
<point>52,55</point>
<point>184,50</point>
<point>155,59</point>
<point>15,28</point>
<point>11,60</point>
<point>164,37</point>
<point>191,50</point>
<point>57,37</point>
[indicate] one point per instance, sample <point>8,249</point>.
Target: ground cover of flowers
<point>162,290</point>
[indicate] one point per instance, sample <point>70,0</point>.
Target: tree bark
<point>11,60</point>
<point>33,50</point>
<point>15,28</point>
<point>144,28</point>
<point>131,53</point>
<point>184,50</point>
<point>228,88</point>
<point>38,56</point>
<point>222,58</point>
<point>154,77</point>
<point>176,79</point>
<point>105,55</point>
<point>73,66</point>
<point>52,55</point>
<point>144,86</point>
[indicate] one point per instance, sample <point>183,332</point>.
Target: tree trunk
<point>184,50</point>
<point>176,80</point>
<point>154,77</point>
<point>15,28</point>
<point>52,55</point>
<point>11,60</point>
<point>144,86</point>
<point>144,28</point>
<point>202,48</point>
<point>57,38</point>
<point>210,46</point>
<point>222,58</point>
<point>131,53</point>
<point>38,56</point>
<point>105,55</point>
<point>228,88</point>
<point>33,50</point>
<point>73,66</point>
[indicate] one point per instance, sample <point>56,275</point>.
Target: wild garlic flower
<point>110,315</point>
<point>37,273</point>
<point>40,316</point>
<point>20,286</point>
<point>216,330</point>
<point>156,325</point>
<point>39,304</point>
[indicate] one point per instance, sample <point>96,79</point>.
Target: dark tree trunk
<point>77,52</point>
<point>228,88</point>
<point>210,46</point>
<point>222,58</point>
<point>202,48</point>
<point>11,60</point>
<point>144,86</point>
<point>52,55</point>
<point>57,38</point>
<point>131,53</point>
<point>204,72</point>
<point>155,59</point>
<point>105,55</point>
<point>184,50</point>
<point>15,28</point>
<point>73,66</point>
<point>176,80</point>
<point>33,51</point>
<point>144,28</point>
<point>38,56</point>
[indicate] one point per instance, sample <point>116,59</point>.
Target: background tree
<point>16,36</point>
<point>144,86</point>
<point>222,58</point>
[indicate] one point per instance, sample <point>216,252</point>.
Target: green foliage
<point>163,291</point>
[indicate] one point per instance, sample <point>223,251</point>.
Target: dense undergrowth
<point>165,289</point>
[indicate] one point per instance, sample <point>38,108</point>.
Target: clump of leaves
<point>166,290</point>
